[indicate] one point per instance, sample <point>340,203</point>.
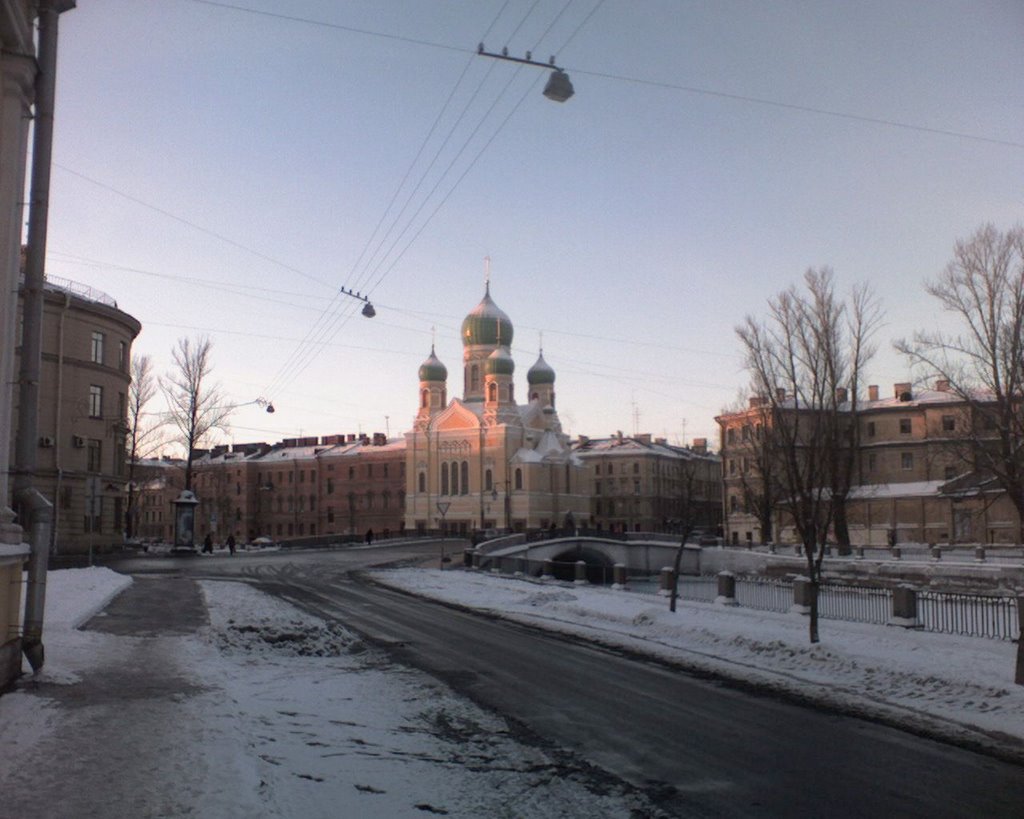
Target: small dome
<point>500,362</point>
<point>432,369</point>
<point>540,372</point>
<point>486,324</point>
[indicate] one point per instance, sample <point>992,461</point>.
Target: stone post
<point>476,558</point>
<point>581,573</point>
<point>858,552</point>
<point>522,566</point>
<point>904,607</point>
<point>803,594</point>
<point>467,558</point>
<point>936,553</point>
<point>896,553</point>
<point>726,589</point>
<point>667,580</point>
<point>979,554</point>
<point>549,570</point>
<point>619,576</point>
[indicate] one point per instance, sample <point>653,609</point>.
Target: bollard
<point>522,566</point>
<point>476,559</point>
<point>896,553</point>
<point>936,553</point>
<point>581,573</point>
<point>467,558</point>
<point>799,550</point>
<point>858,552</point>
<point>726,589</point>
<point>548,572</point>
<point>619,576</point>
<point>771,547</point>
<point>668,578</point>
<point>828,551</point>
<point>904,607</point>
<point>803,594</point>
<point>979,554</point>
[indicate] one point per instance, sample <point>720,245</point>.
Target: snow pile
<point>73,596</point>
<point>959,687</point>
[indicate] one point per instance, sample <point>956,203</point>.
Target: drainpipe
<point>58,461</point>
<point>34,509</point>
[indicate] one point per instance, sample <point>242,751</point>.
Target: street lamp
<point>558,88</point>
<point>368,310</point>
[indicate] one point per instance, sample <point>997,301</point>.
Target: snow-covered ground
<point>267,712</point>
<point>958,687</point>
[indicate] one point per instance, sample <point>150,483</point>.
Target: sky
<point>225,168</point>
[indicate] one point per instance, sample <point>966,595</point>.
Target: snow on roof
<point>910,489</point>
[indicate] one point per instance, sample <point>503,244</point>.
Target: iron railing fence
<point>972,615</point>
<point>854,604</point>
<point>764,594</point>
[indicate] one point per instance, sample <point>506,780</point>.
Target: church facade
<point>485,461</point>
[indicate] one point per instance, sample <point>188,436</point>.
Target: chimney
<point>351,438</point>
<point>700,446</point>
<point>841,395</point>
<point>379,439</point>
<point>644,438</point>
<point>873,392</point>
<point>756,401</point>
<point>902,390</point>
<point>780,394</point>
<point>584,440</point>
<point>942,385</point>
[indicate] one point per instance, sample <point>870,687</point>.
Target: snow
<point>960,688</point>
<point>269,711</point>
<point>266,712</point>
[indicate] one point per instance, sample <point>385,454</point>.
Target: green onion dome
<point>432,369</point>
<point>540,372</point>
<point>500,362</point>
<point>486,324</point>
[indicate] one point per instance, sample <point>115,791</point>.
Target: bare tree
<point>144,429</point>
<point>805,361</point>
<point>196,404</point>
<point>983,287</point>
<point>692,512</point>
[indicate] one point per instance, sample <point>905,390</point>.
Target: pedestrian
<point>208,544</point>
<point>231,543</point>
<point>369,536</point>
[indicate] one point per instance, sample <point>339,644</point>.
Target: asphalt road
<point>698,747</point>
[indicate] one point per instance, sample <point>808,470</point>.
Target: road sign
<point>442,507</point>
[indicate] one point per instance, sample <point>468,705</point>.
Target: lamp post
<point>558,88</point>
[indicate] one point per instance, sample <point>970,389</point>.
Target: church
<point>484,461</point>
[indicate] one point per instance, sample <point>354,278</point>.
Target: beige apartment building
<point>913,483</point>
<point>637,483</point>
<point>82,426</point>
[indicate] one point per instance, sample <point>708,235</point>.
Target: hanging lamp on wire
<point>558,87</point>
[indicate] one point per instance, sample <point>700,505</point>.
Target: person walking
<point>231,543</point>
<point>208,544</point>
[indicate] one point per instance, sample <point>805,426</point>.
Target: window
<point>95,401</point>
<point>465,477</point>
<point>488,480</point>
<point>730,435</point>
<point>636,469</point>
<point>871,429</point>
<point>872,462</point>
<point>734,503</point>
<point>636,487</point>
<point>474,378</point>
<point>906,460</point>
<point>122,356</point>
<point>948,423</point>
<point>302,476</point>
<point>444,479</point>
<point>351,472</point>
<point>597,469</point>
<point>904,426</point>
<point>385,470</point>
<point>519,479</point>
<point>597,487</point>
<point>492,392</point>
<point>330,486</point>
<point>369,470</point>
<point>96,350</point>
<point>422,482</point>
<point>330,514</point>
<point>93,455</point>
<point>455,477</point>
<point>122,411</point>
<point>312,503</point>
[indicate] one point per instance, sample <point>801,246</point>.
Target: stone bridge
<point>640,556</point>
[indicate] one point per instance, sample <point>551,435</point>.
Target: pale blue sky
<point>635,225</point>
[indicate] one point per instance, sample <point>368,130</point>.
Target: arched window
<point>444,397</point>
<point>474,378</point>
<point>312,503</point>
<point>423,398</point>
<point>519,479</point>
<point>444,479</point>
<point>465,477</point>
<point>455,477</point>
<point>488,481</point>
<point>511,393</point>
<point>492,392</point>
<point>423,482</point>
<point>534,396</point>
